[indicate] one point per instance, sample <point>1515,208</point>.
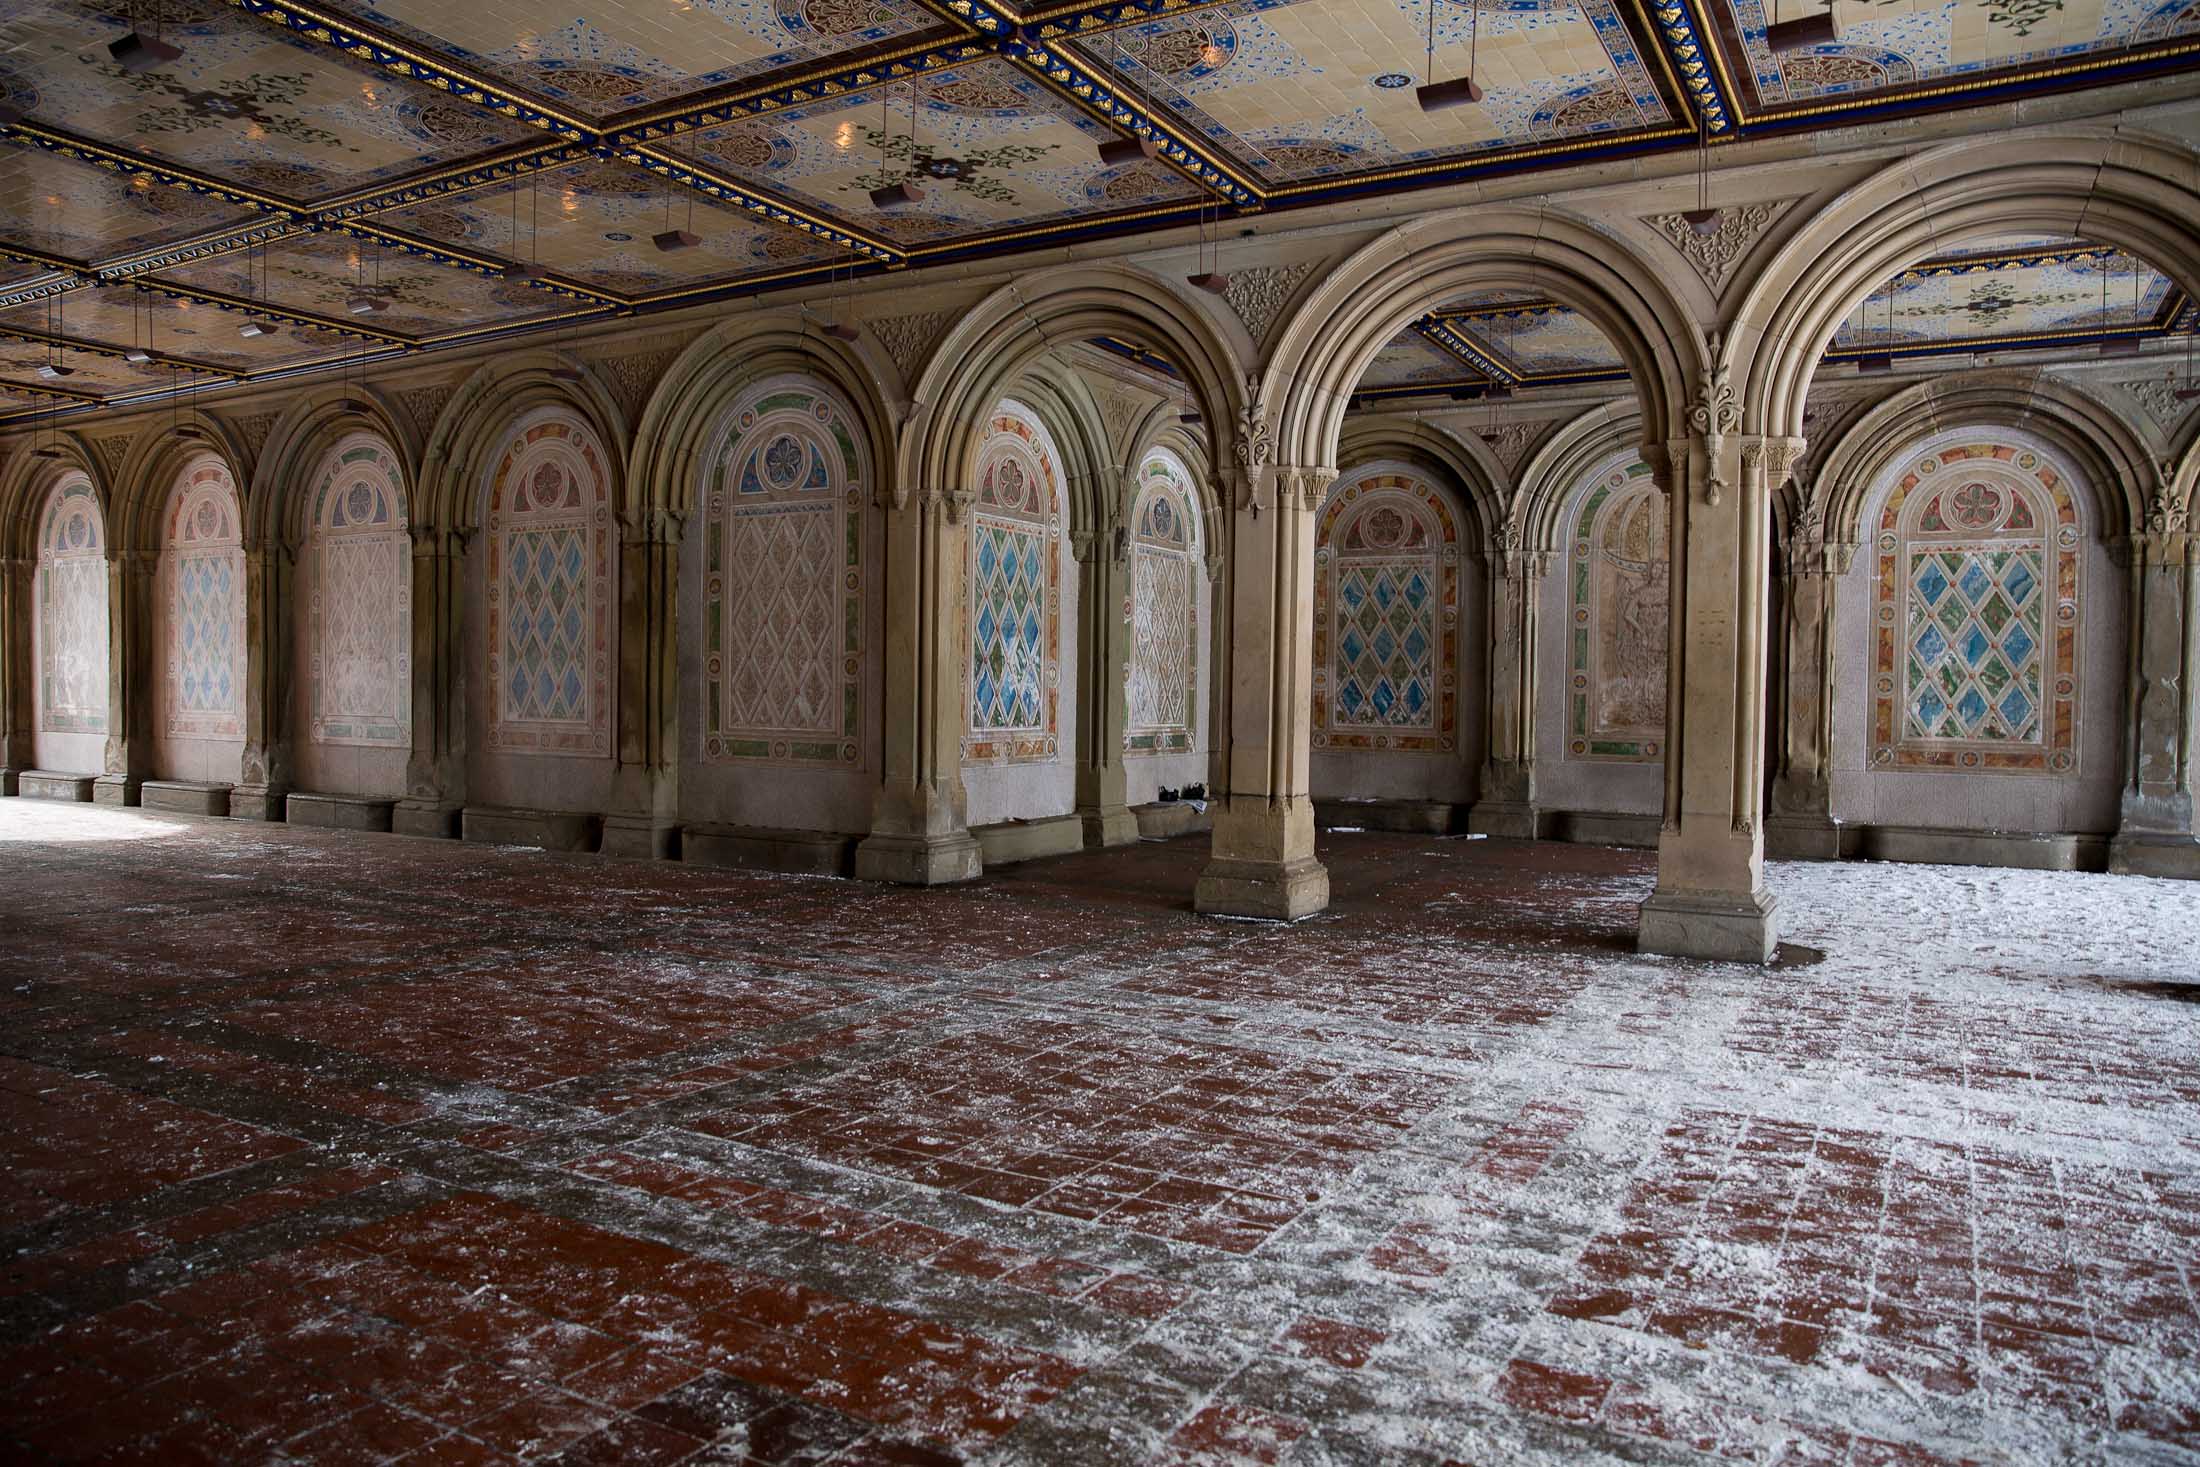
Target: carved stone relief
<point>1715,255</point>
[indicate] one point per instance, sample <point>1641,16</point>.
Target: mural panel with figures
<point>1161,679</point>
<point>1014,573</point>
<point>1618,590</point>
<point>360,658</point>
<point>1976,614</point>
<point>783,578</point>
<point>1386,616</point>
<point>202,592</point>
<point>552,640</point>
<point>71,625</point>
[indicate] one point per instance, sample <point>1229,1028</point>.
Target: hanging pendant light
<point>1436,96</point>
<point>1703,219</point>
<point>670,240</point>
<point>1118,151</point>
<point>53,369</point>
<point>138,52</point>
<point>137,356</point>
<point>1208,277</point>
<point>897,195</point>
<point>1803,32</point>
<point>531,267</point>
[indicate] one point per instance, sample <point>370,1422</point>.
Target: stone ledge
<point>1028,840</point>
<point>338,812</point>
<point>1406,817</point>
<point>49,784</point>
<point>184,796</point>
<point>1166,822</point>
<point>2176,857</point>
<point>2021,850</point>
<point>549,830</point>
<point>768,848</point>
<point>1602,828</point>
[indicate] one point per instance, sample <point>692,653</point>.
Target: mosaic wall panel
<point>202,592</point>
<point>552,641</point>
<point>1386,616</point>
<point>360,613</point>
<point>1618,594</point>
<point>1013,569</point>
<point>72,611</point>
<point>783,578</point>
<point>1161,679</point>
<point>1976,613</point>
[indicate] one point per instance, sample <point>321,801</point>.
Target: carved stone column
<point>1711,900</point>
<point>1263,864</point>
<point>265,771</point>
<point>1800,824</point>
<point>1507,805</point>
<point>130,654</point>
<point>435,773</point>
<point>2155,837</point>
<point>1103,660</point>
<point>920,826</point>
<point>18,677</point>
<point>645,814</point>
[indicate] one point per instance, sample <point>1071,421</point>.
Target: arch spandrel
<point>28,482</point>
<point>149,470</point>
<point>2138,192</point>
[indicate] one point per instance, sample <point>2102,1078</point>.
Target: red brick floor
<point>322,1148</point>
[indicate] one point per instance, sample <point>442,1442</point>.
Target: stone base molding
<point>1717,928</point>
<point>920,860</point>
<point>431,818</point>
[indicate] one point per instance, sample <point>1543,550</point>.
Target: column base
<point>1802,838</point>
<point>255,802</point>
<point>1503,820</point>
<point>1720,928</point>
<point>431,818</point>
<point>1109,826</point>
<point>2175,856</point>
<point>920,860</point>
<point>10,781</point>
<point>1282,892</point>
<point>116,789</point>
<point>639,837</point>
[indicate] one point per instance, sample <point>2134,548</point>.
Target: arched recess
<point>1593,510</point>
<point>27,485</point>
<point>1980,631</point>
<point>1463,464</point>
<point>1093,466</point>
<point>1331,339</point>
<point>70,670</point>
<point>1396,587</point>
<point>199,633</point>
<point>1018,704</point>
<point>1168,610</point>
<point>2137,191</point>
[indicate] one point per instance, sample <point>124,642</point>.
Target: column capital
<point>1775,457</point>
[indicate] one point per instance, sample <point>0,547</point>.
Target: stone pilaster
<point>1507,803</point>
<point>1103,661</point>
<point>130,654</point>
<point>265,770</point>
<point>1711,900</point>
<point>920,827</point>
<point>1799,825</point>
<point>644,819</point>
<point>1263,863</point>
<point>2154,836</point>
<point>435,773</point>
<point>18,675</point>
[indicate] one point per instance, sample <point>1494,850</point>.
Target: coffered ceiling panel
<point>623,56</point>
<point>320,274</point>
<point>593,222</point>
<point>65,207</point>
<point>2010,298</point>
<point>994,149</point>
<point>1409,357</point>
<point>1890,48</point>
<point>1534,338</point>
<point>89,372</point>
<point>247,103</point>
<point>1313,90</point>
<point>194,330</point>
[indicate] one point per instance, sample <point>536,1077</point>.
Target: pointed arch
<point>475,427</point>
<point>295,456</point>
<point>201,597</point>
<point>69,624</point>
<point>1161,673</point>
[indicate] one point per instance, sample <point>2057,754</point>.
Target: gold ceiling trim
<point>1507,155</point>
<point>93,348</point>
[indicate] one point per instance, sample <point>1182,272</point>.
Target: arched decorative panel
<point>1014,573</point>
<point>552,636</point>
<point>1161,679</point>
<point>783,578</point>
<point>1386,616</point>
<point>1618,588</point>
<point>72,611</point>
<point>1975,616</point>
<point>202,589</point>
<point>360,612</point>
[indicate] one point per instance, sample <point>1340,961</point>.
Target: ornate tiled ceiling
<point>1998,295</point>
<point>376,148</point>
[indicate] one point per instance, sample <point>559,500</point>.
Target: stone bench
<point>1407,817</point>
<point>184,797</point>
<point>2023,850</point>
<point>1601,828</point>
<point>1166,822</point>
<point>1028,840</point>
<point>549,830</point>
<point>49,784</point>
<point>768,848</point>
<point>337,812</point>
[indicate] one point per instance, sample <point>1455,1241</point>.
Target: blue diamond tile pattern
<point>206,620</point>
<point>1977,635</point>
<point>1008,628</point>
<point>1386,647</point>
<point>546,625</point>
